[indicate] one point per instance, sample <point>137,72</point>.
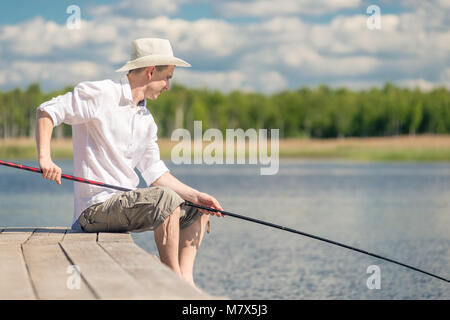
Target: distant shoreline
<point>420,148</point>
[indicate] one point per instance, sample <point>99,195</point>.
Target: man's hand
<point>206,200</point>
<point>50,170</point>
<point>189,194</point>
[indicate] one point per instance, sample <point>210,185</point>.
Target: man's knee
<point>205,218</point>
<point>167,192</point>
<point>177,211</point>
<point>168,204</point>
<point>170,220</point>
<point>206,222</point>
<point>174,215</point>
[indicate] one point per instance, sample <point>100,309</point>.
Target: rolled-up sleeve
<point>76,107</point>
<point>150,165</point>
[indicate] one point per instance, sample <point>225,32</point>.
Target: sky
<point>250,45</point>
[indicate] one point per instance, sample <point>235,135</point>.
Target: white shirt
<point>111,137</point>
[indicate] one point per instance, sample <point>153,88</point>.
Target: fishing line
<point>226,213</point>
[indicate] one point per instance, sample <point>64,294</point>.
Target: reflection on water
<point>401,211</point>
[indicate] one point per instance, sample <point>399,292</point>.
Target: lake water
<point>397,210</point>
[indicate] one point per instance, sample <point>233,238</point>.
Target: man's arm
<point>44,129</point>
<point>188,193</point>
<point>76,107</point>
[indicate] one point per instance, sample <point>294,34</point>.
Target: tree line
<point>320,112</point>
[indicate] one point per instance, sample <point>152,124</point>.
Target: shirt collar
<point>126,92</point>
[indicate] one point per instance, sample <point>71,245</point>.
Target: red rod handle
<point>65,176</point>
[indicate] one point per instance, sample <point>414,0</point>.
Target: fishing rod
<point>226,213</point>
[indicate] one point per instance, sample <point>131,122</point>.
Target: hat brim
<point>153,60</point>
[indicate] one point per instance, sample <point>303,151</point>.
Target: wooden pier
<point>58,263</point>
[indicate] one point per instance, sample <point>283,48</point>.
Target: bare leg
<point>167,241</point>
<point>190,240</point>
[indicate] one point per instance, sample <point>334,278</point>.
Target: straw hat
<point>147,52</point>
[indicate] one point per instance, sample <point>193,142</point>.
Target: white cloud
<point>422,84</point>
<point>266,80</point>
<point>411,83</point>
<point>224,80</point>
<point>3,78</point>
<point>137,8</point>
<point>310,62</point>
<point>265,8</point>
<point>57,74</point>
<point>214,38</point>
<point>40,38</point>
<point>445,76</point>
<point>270,54</point>
<point>270,82</point>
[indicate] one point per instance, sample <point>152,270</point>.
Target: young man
<point>113,133</point>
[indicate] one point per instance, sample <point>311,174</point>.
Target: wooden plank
<point>14,281</point>
<point>114,237</point>
<point>51,272</point>
<point>159,281</point>
<point>34,263</point>
<point>47,236</point>
<point>15,235</point>
<point>102,273</point>
<point>76,236</point>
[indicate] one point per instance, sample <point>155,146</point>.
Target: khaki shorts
<point>136,211</point>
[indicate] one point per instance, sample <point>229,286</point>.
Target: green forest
<point>320,112</point>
